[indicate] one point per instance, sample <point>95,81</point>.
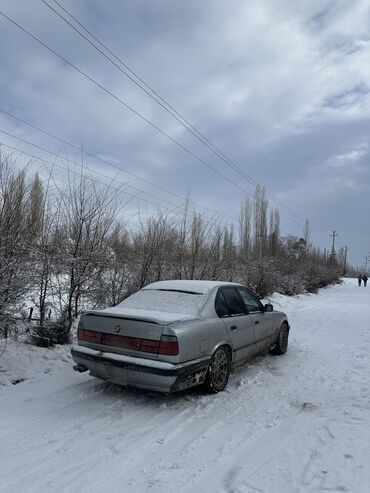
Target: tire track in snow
<point>279,425</point>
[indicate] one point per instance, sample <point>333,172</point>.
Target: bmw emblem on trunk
<point>117,329</point>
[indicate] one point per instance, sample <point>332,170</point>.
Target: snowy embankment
<point>295,423</point>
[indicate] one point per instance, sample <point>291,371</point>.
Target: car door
<point>231,308</point>
<point>263,321</point>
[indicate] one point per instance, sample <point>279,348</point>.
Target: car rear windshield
<point>168,301</point>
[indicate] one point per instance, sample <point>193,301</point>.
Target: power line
<point>86,168</point>
<point>53,164</point>
<point>98,158</point>
<point>107,91</point>
<point>163,103</point>
<point>122,63</point>
<point>58,156</point>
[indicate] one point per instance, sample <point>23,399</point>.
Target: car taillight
<point>88,335</point>
<point>148,346</point>
<point>80,328</point>
<point>168,345</point>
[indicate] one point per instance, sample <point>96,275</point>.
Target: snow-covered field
<point>295,423</point>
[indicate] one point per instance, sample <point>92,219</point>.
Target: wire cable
<point>93,81</point>
<point>123,103</point>
<point>53,164</point>
<point>164,104</point>
<point>58,156</point>
<point>96,83</point>
<point>98,158</point>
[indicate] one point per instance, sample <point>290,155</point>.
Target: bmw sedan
<point>172,335</point>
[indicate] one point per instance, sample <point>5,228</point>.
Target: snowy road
<point>296,423</point>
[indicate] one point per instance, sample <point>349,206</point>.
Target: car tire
<point>218,371</point>
<point>282,340</point>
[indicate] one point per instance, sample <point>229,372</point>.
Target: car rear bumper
<point>143,373</point>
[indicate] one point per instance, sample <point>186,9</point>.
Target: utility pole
<point>366,260</point>
<point>332,253</point>
<point>345,261</point>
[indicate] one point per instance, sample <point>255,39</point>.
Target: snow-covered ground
<point>293,423</point>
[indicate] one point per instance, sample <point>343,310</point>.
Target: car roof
<point>199,287</point>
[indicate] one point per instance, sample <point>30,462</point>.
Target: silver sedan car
<point>172,335</point>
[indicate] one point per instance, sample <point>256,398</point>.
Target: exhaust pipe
<point>80,368</point>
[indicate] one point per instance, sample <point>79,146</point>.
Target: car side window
<point>252,303</point>
<point>220,305</point>
<point>234,302</point>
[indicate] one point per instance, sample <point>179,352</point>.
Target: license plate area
<point>112,373</point>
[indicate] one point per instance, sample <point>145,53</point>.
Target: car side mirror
<point>268,307</point>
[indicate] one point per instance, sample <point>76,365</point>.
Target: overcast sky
<point>281,87</point>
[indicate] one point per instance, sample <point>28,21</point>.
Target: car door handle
<point>257,322</point>
<point>233,327</point>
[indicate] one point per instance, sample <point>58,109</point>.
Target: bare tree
<point>46,224</point>
<point>78,246</point>
<point>183,235</point>
<point>36,207</point>
<point>260,221</point>
<point>307,234</point>
<point>274,233</point>
<point>89,217</point>
<point>15,239</point>
<point>245,230</point>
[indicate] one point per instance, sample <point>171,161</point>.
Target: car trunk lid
<point>120,334</point>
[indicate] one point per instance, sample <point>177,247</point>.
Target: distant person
<point>359,279</point>
<point>364,278</point>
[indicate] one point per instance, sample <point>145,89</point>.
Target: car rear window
<point>168,301</point>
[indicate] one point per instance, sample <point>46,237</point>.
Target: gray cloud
<point>280,87</point>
